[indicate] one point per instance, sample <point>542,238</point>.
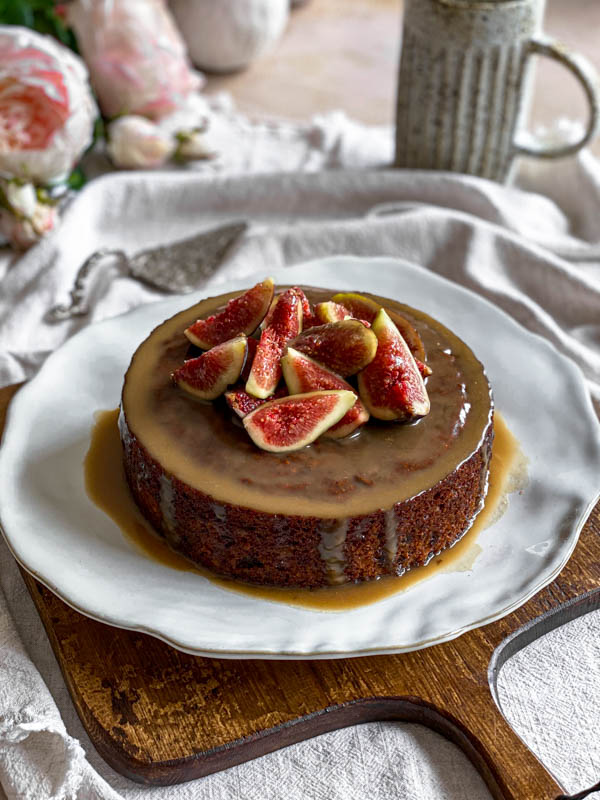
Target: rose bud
<point>24,217</point>
<point>136,143</point>
<point>47,112</point>
<point>136,56</point>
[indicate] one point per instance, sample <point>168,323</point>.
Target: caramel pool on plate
<point>106,486</point>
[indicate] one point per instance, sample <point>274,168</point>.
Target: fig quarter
<point>391,386</point>
<point>242,314</point>
<point>295,421</point>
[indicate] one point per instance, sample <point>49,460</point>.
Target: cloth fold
<point>533,249</point>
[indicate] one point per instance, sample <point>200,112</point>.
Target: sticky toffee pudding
<point>381,499</point>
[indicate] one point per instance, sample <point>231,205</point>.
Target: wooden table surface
<point>343,54</point>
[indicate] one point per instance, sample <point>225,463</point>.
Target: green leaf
<point>40,16</point>
<point>76,179</point>
<point>16,12</point>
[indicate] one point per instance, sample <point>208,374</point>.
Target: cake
<point>380,501</point>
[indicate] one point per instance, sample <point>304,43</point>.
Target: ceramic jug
<point>465,83</point>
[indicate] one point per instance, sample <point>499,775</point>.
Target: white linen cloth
<point>533,250</point>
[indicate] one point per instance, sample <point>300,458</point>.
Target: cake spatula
<point>178,267</point>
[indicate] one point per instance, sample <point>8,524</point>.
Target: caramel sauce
<point>106,486</point>
<point>204,445</point>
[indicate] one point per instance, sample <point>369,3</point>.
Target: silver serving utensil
<point>178,267</point>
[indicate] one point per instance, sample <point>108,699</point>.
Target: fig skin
<point>285,323</point>
<point>210,374</point>
<point>291,423</point>
<point>364,308</point>
<point>391,386</point>
<point>242,403</point>
<point>242,314</point>
<point>302,374</point>
<point>344,347</point>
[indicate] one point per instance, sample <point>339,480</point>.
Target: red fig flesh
<point>344,347</point>
<point>243,314</point>
<point>243,403</point>
<point>293,422</point>
<point>211,373</point>
<point>363,307</point>
<point>285,323</point>
<point>391,386</point>
<point>302,374</point>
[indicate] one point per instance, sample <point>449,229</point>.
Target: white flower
<point>136,143</point>
<point>47,111</point>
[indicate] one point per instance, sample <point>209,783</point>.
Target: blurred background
<point>344,54</point>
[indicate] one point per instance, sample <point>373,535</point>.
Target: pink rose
<point>136,56</point>
<point>47,112</point>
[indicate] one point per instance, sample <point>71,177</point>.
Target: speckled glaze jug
<point>465,82</point>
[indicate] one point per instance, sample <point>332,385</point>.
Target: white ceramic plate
<point>67,543</point>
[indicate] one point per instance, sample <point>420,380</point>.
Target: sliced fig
<point>302,374</point>
<point>308,318</point>
<point>252,345</point>
<point>295,421</point>
<point>409,334</point>
<point>286,322</point>
<point>391,386</point>
<point>268,316</point>
<point>344,347</point>
<point>358,305</point>
<point>242,314</point>
<point>363,307</point>
<point>211,373</point>
<point>243,403</point>
<point>330,312</point>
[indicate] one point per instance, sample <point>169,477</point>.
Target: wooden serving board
<point>160,716</point>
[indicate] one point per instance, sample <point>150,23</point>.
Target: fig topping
<point>308,318</point>
<point>243,403</point>
<point>242,314</point>
<point>211,373</point>
<point>293,422</point>
<point>252,345</point>
<point>391,386</point>
<point>344,347</point>
<point>303,374</point>
<point>363,307</point>
<point>269,315</point>
<point>285,323</point>
<point>330,312</point>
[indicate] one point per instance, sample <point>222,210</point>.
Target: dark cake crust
<point>274,549</point>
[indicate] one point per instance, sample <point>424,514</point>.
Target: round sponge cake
<point>377,503</point>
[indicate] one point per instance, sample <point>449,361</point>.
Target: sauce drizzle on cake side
<point>107,487</point>
<point>379,502</point>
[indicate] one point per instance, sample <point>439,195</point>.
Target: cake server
<point>178,267</point>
